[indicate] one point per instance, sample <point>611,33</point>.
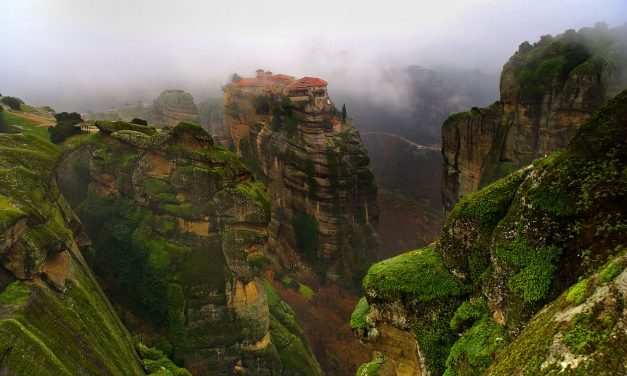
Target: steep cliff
<point>466,304</point>
<point>172,107</point>
<point>547,91</point>
<point>178,227</point>
<point>321,187</point>
<point>54,319</point>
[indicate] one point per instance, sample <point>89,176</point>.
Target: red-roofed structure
<point>308,86</point>
<point>253,82</point>
<point>335,122</point>
<point>283,77</point>
<point>265,83</point>
<point>311,81</point>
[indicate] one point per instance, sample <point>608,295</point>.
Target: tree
<point>139,121</point>
<point>65,126</point>
<point>344,113</point>
<point>235,77</point>
<point>13,102</point>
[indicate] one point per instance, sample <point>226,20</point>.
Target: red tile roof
<point>335,122</point>
<point>306,82</point>
<point>282,77</point>
<point>251,82</point>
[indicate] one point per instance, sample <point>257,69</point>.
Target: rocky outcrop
<point>547,91</point>
<point>211,113</point>
<point>321,187</point>
<point>179,227</point>
<point>54,318</point>
<point>527,276</point>
<point>172,107</point>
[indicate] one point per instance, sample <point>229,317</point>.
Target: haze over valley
<point>361,188</point>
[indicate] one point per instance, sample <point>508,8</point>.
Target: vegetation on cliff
<point>547,91</point>
<point>515,247</point>
<point>178,227</point>
<point>54,318</point>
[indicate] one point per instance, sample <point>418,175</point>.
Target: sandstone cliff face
<point>211,114</point>
<point>321,187</point>
<point>54,319</point>
<point>527,276</point>
<point>172,107</point>
<point>179,227</point>
<point>547,91</point>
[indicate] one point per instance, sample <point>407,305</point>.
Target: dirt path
<point>41,121</point>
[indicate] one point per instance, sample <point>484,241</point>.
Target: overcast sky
<point>78,54</point>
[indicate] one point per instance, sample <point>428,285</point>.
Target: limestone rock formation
<point>528,274</point>
<point>321,187</point>
<point>179,227</point>
<point>54,318</point>
<point>172,107</point>
<point>211,113</point>
<point>547,91</point>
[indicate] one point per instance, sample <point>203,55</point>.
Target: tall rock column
<point>547,91</point>
<point>320,182</point>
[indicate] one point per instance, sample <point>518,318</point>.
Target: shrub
<point>65,126</point>
<point>13,102</point>
<point>139,121</point>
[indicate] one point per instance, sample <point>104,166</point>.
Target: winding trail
<point>418,146</point>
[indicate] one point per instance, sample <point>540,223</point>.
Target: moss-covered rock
<point>538,238</point>
<point>548,90</point>
<point>177,224</point>
<point>54,318</point>
<point>321,187</point>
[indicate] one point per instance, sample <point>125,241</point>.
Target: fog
<point>78,55</point>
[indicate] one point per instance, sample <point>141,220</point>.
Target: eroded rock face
<point>527,276</point>
<point>54,318</point>
<point>320,182</point>
<point>172,107</point>
<point>547,91</point>
<point>178,226</point>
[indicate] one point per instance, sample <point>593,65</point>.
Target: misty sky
<point>78,54</point>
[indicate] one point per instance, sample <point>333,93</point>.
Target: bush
<point>13,102</point>
<point>65,126</point>
<point>139,121</point>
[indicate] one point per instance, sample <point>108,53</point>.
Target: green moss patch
<point>473,353</point>
<point>489,205</point>
<point>586,331</point>
<point>358,317</point>
<point>371,368</point>
<point>468,313</point>
<point>536,268</point>
<point>16,292</point>
<point>157,363</point>
<point>420,273</point>
<point>9,214</point>
<point>117,126</point>
<point>289,340</point>
<point>613,269</point>
<point>577,293</point>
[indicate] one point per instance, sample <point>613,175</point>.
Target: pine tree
<point>344,113</point>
